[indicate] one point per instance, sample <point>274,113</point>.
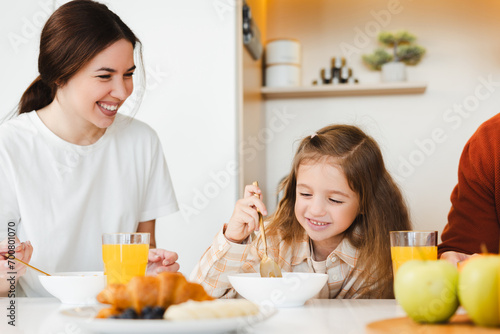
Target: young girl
<point>338,207</point>
<point>72,166</point>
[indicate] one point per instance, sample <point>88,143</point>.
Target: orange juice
<point>122,262</point>
<point>401,254</point>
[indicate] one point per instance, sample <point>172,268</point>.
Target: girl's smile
<point>317,225</point>
<point>325,205</point>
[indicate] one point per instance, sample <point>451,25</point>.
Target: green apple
<point>427,290</point>
<point>478,289</point>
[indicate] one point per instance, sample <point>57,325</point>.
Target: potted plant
<point>404,52</point>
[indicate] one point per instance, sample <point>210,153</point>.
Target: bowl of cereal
<point>75,287</point>
<point>291,290</point>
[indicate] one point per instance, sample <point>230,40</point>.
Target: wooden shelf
<point>382,88</point>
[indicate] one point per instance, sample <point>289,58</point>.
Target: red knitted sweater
<point>475,201</point>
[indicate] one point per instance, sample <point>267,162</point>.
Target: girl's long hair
<point>74,34</point>
<point>382,207</point>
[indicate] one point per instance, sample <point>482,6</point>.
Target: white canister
<point>283,75</point>
<point>283,51</point>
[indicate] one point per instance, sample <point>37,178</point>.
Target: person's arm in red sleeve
<point>473,216</point>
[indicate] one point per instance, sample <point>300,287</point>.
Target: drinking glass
<point>125,255</point>
<point>412,245</point>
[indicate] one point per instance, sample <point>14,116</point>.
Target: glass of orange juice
<point>412,245</point>
<point>125,255</point>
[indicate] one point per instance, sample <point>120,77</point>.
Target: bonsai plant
<point>403,52</point>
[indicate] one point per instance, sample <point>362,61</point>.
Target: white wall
<point>189,51</point>
<point>190,48</point>
<point>463,50</point>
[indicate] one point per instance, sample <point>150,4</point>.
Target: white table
<point>42,316</point>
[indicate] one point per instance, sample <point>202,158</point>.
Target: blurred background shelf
<point>344,90</point>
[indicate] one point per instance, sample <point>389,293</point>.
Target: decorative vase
<point>393,72</point>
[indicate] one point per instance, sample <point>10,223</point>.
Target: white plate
<point>85,317</point>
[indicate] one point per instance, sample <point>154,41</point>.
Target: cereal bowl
<point>75,287</point>
<point>291,290</point>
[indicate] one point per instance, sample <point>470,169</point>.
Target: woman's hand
<point>245,218</point>
<point>23,252</point>
<point>160,260</point>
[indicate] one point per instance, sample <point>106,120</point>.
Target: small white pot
<point>283,51</point>
<point>394,71</point>
<point>283,75</point>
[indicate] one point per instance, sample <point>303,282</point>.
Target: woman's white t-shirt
<point>62,196</point>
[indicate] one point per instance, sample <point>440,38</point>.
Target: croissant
<point>162,290</point>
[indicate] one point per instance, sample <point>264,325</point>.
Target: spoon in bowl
<point>268,267</point>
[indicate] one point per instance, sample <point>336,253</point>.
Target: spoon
<point>11,257</point>
<point>268,267</point>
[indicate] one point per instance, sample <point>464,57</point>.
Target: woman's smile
<point>108,109</point>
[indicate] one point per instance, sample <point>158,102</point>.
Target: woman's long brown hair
<point>382,207</point>
<point>74,34</point>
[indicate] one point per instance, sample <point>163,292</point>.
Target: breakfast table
<point>46,316</point>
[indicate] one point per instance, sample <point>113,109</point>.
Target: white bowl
<point>75,287</point>
<point>291,290</point>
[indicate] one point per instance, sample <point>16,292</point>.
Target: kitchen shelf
<point>383,88</point>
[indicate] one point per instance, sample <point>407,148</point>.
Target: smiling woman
<point>92,97</point>
<point>73,166</point>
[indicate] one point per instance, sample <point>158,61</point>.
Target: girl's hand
<point>160,260</point>
<point>23,252</point>
<point>245,218</point>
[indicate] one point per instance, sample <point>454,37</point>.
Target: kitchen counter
<point>43,316</point>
